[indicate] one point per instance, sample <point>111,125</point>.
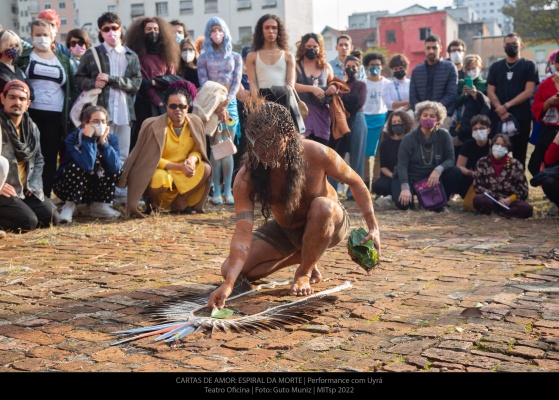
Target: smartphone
<point>468,82</point>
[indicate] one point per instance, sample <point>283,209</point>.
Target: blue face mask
<point>374,71</point>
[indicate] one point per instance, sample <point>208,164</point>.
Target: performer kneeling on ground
<point>288,176</point>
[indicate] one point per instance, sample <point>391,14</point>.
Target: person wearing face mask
<point>471,100</point>
<point>396,93</point>
<point>90,167</point>
<point>501,177</point>
<point>426,152</point>
<point>399,123</point>
<point>375,111</point>
<point>119,80</point>
<point>188,67</point>
<point>10,49</point>
<point>77,40</point>
<point>456,51</point>
<point>545,109</point>
<point>180,30</point>
<point>470,153</point>
<point>52,79</point>
<point>219,63</point>
<point>153,40</point>
<point>313,83</point>
<point>53,19</point>
<point>510,85</point>
<point>355,142</point>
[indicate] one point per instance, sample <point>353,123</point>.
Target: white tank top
<point>271,75</point>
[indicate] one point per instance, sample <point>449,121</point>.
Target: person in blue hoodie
<point>90,167</point>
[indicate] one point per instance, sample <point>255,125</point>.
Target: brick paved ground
<point>454,292</point>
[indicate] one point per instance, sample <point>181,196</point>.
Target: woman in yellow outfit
<point>168,183</point>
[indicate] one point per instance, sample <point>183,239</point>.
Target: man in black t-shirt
<point>510,84</point>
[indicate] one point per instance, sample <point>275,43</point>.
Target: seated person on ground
<point>470,153</point>
<point>169,160</point>
<point>502,177</point>
<point>90,167</point>
<point>399,123</point>
<point>23,206</point>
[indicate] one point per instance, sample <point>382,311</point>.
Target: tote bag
<point>430,198</point>
<point>86,96</point>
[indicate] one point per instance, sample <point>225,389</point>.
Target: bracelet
<point>506,105</point>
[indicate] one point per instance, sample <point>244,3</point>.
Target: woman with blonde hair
<point>10,50</point>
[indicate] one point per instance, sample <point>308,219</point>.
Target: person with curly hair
<point>219,63</point>
<point>153,40</point>
<point>313,75</point>
<point>288,177</point>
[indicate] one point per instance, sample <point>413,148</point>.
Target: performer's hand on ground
<point>218,296</point>
<point>301,287</point>
<point>374,235</point>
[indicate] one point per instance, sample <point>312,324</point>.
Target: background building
<point>240,15</point>
<point>488,10</point>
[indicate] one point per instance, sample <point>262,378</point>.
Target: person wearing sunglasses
<point>169,161</point>
<point>77,40</point>
<point>119,79</point>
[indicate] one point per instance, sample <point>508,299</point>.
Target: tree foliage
<point>535,19</point>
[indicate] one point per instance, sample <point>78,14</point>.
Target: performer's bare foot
<point>133,212</point>
<point>316,276</point>
<point>301,287</point>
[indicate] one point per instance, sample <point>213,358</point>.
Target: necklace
<point>271,52</point>
<point>425,150</point>
<point>510,73</point>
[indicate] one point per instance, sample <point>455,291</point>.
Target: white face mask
<point>99,129</point>
<point>473,73</point>
<point>480,135</point>
<point>499,151</point>
<point>179,37</point>
<point>456,57</point>
<point>187,56</point>
<point>42,42</point>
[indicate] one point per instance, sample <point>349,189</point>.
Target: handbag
<point>430,197</point>
<point>223,148</point>
<point>86,96</point>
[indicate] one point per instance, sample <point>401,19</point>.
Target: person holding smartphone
<point>471,100</point>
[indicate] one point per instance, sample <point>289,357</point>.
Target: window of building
<point>424,33</point>
<point>244,4</point>
<point>136,10</point>
<point>269,3</point>
<point>61,5</point>
<point>245,32</point>
<point>47,6</point>
<point>111,9</point>
<point>328,43</point>
<point>161,9</point>
<point>63,37</point>
<point>191,33</point>
<point>210,6</point>
<point>186,7</point>
<point>390,36</point>
<point>63,21</point>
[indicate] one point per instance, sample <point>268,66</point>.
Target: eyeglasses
<point>110,28</point>
<point>80,42</point>
<point>174,106</point>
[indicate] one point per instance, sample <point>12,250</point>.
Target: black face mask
<point>311,54</point>
<point>350,72</point>
<point>512,51</point>
<point>399,74</point>
<point>398,129</point>
<point>152,37</point>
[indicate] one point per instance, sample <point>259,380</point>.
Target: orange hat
<point>16,85</point>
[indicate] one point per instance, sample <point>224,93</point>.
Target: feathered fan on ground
<point>182,320</point>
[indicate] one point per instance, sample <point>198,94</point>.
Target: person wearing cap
<point>52,17</point>
<point>23,205</point>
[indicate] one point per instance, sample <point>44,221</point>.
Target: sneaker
<point>67,212</point>
<point>103,210</point>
